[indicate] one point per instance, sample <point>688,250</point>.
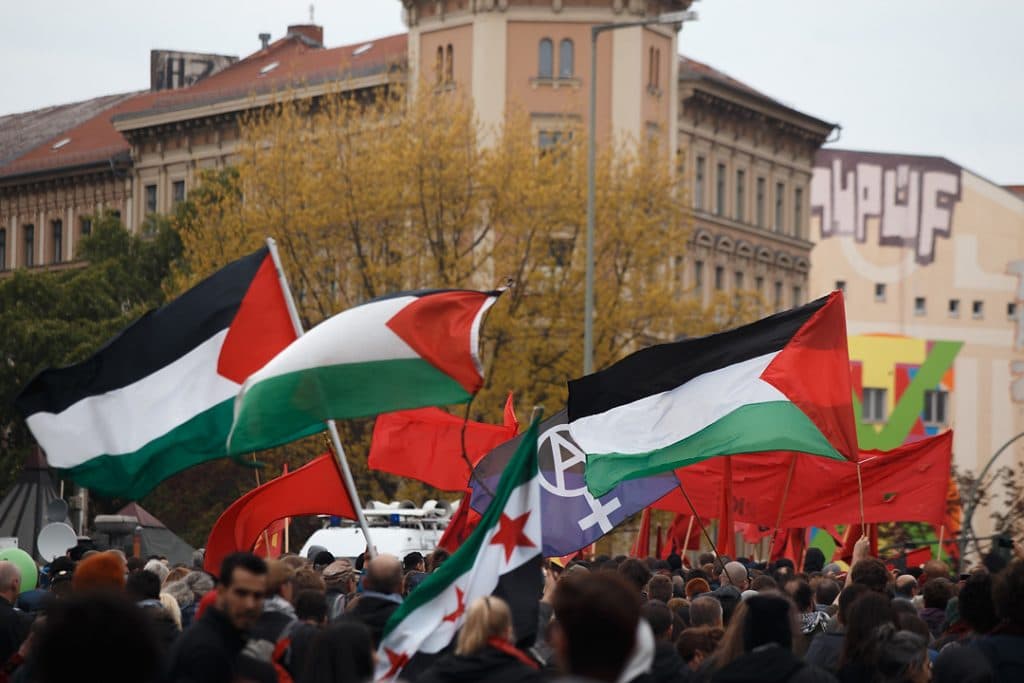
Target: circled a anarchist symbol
<point>565,455</point>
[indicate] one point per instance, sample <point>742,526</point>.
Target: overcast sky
<point>918,76</point>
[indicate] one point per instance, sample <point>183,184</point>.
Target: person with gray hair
<point>705,611</point>
<point>157,567</point>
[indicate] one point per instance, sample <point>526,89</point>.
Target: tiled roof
<point>288,61</point>
<point>21,132</point>
<point>94,139</point>
<point>691,69</point>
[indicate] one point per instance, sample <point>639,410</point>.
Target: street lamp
<point>588,302</point>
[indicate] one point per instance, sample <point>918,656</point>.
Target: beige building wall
<point>928,250</point>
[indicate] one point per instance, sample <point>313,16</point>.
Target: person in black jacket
<point>484,650</point>
<point>14,624</point>
<point>210,650</point>
<point>143,587</point>
<point>668,665</point>
<point>758,645</point>
<point>382,594</point>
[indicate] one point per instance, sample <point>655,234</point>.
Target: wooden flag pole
<point>332,429</point>
<point>686,543</point>
<point>700,523</point>
<point>782,505</point>
<point>860,495</point>
<point>942,537</point>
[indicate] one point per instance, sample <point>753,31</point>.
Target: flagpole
<point>700,523</point>
<point>942,536</point>
<point>782,505</point>
<point>332,429</point>
<point>860,495</point>
<point>686,543</point>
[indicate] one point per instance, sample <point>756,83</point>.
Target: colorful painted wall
<point>931,257</point>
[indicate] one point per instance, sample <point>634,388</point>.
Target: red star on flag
<point>460,606</point>
<point>397,661</point>
<point>510,534</point>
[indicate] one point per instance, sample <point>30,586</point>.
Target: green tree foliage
<point>52,319</point>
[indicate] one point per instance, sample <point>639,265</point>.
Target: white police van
<point>395,528</point>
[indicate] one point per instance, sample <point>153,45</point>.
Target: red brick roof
<point>96,139</point>
<point>691,69</point>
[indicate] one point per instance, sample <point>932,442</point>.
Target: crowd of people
<point>103,616</point>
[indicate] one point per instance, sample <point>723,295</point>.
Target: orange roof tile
<point>96,139</point>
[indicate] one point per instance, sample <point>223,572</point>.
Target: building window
<point>178,191</point>
<point>57,230</point>
<point>29,232</point>
<point>654,70</point>
<point>719,278</point>
<point>439,65</point>
<point>1011,310</point>
<point>759,285</point>
<point>547,140</point>
<point>920,306</point>
<point>841,286</point>
<point>978,309</point>
<point>720,191</point>
<point>150,198</point>
<point>780,198</point>
<point>759,203</point>
<point>449,64</point>
<point>86,226</point>
<point>3,249</point>
<point>698,185</point>
<point>954,308</point>
<point>874,405</point>
<point>739,280</point>
<point>566,59</point>
<point>798,212</point>
<point>698,276</point>
<point>798,296</point>
<point>935,402</point>
<point>741,194</point>
<point>880,292</point>
<point>778,296</point>
<point>546,59</point>
<point>561,250</point>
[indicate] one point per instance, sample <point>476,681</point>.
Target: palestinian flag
<point>404,351</point>
<point>501,557</point>
<point>779,384</point>
<point>157,398</point>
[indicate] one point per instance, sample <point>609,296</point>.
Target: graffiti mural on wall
<point>912,197</point>
<point>910,372</point>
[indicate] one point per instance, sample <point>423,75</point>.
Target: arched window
<point>449,65</point>
<point>566,59</point>
<point>439,65</point>
<point>545,59</point>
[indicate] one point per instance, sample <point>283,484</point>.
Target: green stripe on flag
<point>133,475</point>
<point>294,401</point>
<point>521,469</point>
<point>753,428</point>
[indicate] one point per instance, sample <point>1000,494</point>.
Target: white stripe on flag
<point>660,420</point>
<point>126,419</point>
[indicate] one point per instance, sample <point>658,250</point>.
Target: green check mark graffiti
<point>910,405</point>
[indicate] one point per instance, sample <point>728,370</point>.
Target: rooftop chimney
<point>311,32</point>
<point>264,40</point>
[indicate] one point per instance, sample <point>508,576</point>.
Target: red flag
<point>313,489</point>
<point>907,484</point>
<point>677,541</point>
<point>460,526</point>
<point>950,529</point>
<point>789,544</point>
<point>642,545</point>
<point>725,544</point>
<point>274,536</point>
<point>916,558</point>
<point>426,445</point>
<point>511,421</point>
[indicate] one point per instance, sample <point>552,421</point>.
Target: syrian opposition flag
<point>404,351</point>
<point>158,397</point>
<point>779,384</point>
<point>501,557</point>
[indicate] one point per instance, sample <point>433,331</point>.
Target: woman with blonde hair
<point>484,649</point>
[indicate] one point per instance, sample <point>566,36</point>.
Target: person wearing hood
<point>758,645</point>
<point>667,666</point>
<point>381,596</point>
<point>484,650</point>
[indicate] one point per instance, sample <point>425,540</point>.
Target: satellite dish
<point>57,510</point>
<point>54,540</point>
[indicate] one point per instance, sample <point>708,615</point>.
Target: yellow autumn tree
<point>370,196</point>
